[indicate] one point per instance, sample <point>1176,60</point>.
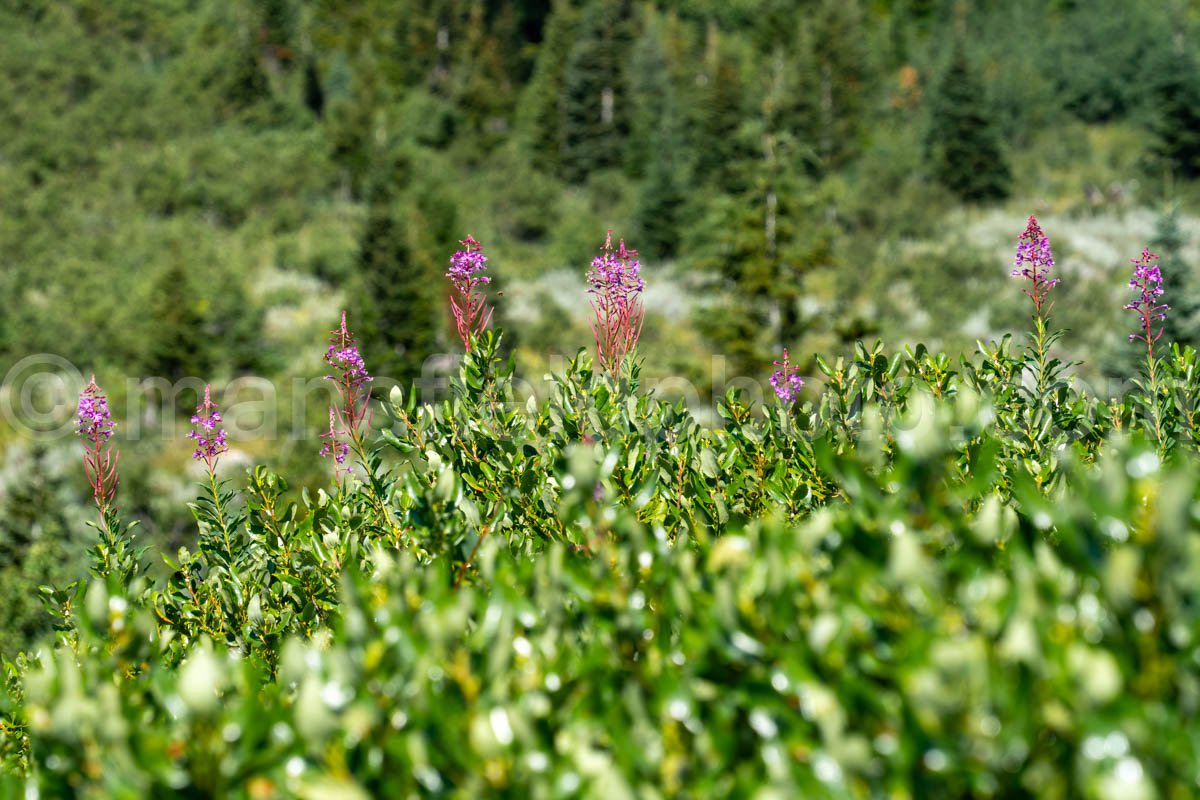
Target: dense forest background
<point>194,188</point>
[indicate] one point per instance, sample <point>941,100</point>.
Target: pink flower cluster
<point>347,418</point>
<point>207,433</point>
<point>95,426</point>
<point>616,286</point>
<point>1147,281</point>
<point>472,314</point>
<point>1034,262</point>
<point>785,380</point>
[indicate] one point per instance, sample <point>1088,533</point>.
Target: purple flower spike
<point>95,427</point>
<point>347,418</point>
<point>334,446</point>
<point>344,357</point>
<point>350,375</point>
<point>1147,281</point>
<point>785,380</point>
<point>208,433</point>
<point>472,314</point>
<point>616,286</point>
<point>94,420</point>
<point>1034,262</point>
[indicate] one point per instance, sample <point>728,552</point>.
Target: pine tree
<point>660,203</point>
<point>655,144</point>
<point>830,99</point>
<point>179,348</point>
<point>541,112</point>
<point>314,95</point>
<point>762,242</point>
<point>401,294</point>
<point>652,104</point>
<point>595,111</point>
<point>203,326</point>
<point>246,84</point>
<point>714,138</point>
<point>962,143</point>
<point>1176,125</point>
<point>1180,281</point>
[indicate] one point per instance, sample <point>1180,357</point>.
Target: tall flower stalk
<point>786,381</point>
<point>113,554</point>
<point>207,432</point>
<point>468,302</point>
<point>95,427</point>
<point>1147,282</point>
<point>349,414</point>
<point>350,418</point>
<point>1033,262</point>
<point>335,445</point>
<point>209,435</point>
<point>616,286</point>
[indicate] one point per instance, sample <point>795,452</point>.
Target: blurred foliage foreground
<point>934,581</point>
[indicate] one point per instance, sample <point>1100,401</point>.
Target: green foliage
<point>594,592</point>
<point>963,146</point>
<point>936,577</point>
<point>1182,325</point>
<point>42,539</point>
<point>1175,117</point>
<point>400,299</point>
<point>835,82</point>
<point>595,90</point>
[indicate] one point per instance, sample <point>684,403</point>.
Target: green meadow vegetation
<point>807,487</point>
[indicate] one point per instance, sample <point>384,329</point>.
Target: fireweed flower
<point>785,380</point>
<point>95,427</point>
<point>347,417</point>
<point>207,432</point>
<point>349,374</point>
<point>334,445</point>
<point>616,286</point>
<point>472,314</point>
<point>1034,262</point>
<point>1147,282</point>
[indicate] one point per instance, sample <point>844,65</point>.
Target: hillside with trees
<point>757,339</point>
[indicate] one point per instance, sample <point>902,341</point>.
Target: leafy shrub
<point>930,578</point>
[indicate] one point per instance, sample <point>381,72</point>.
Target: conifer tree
<point>314,94</point>
<point>1176,125</point>
<point>595,119</point>
<point>541,112</point>
<point>179,347</point>
<point>714,136</point>
<point>831,94</point>
<point>655,144</point>
<point>652,103</point>
<point>1183,320</point>
<point>401,280</point>
<point>660,204</point>
<point>962,143</point>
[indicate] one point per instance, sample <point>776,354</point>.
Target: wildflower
<point>207,433</point>
<point>1034,262</point>
<point>347,417</point>
<point>94,419</point>
<point>616,285</point>
<point>334,446</point>
<point>472,314</point>
<point>1147,281</point>
<point>350,375</point>
<point>785,380</point>
<point>95,426</point>
<point>344,357</point>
